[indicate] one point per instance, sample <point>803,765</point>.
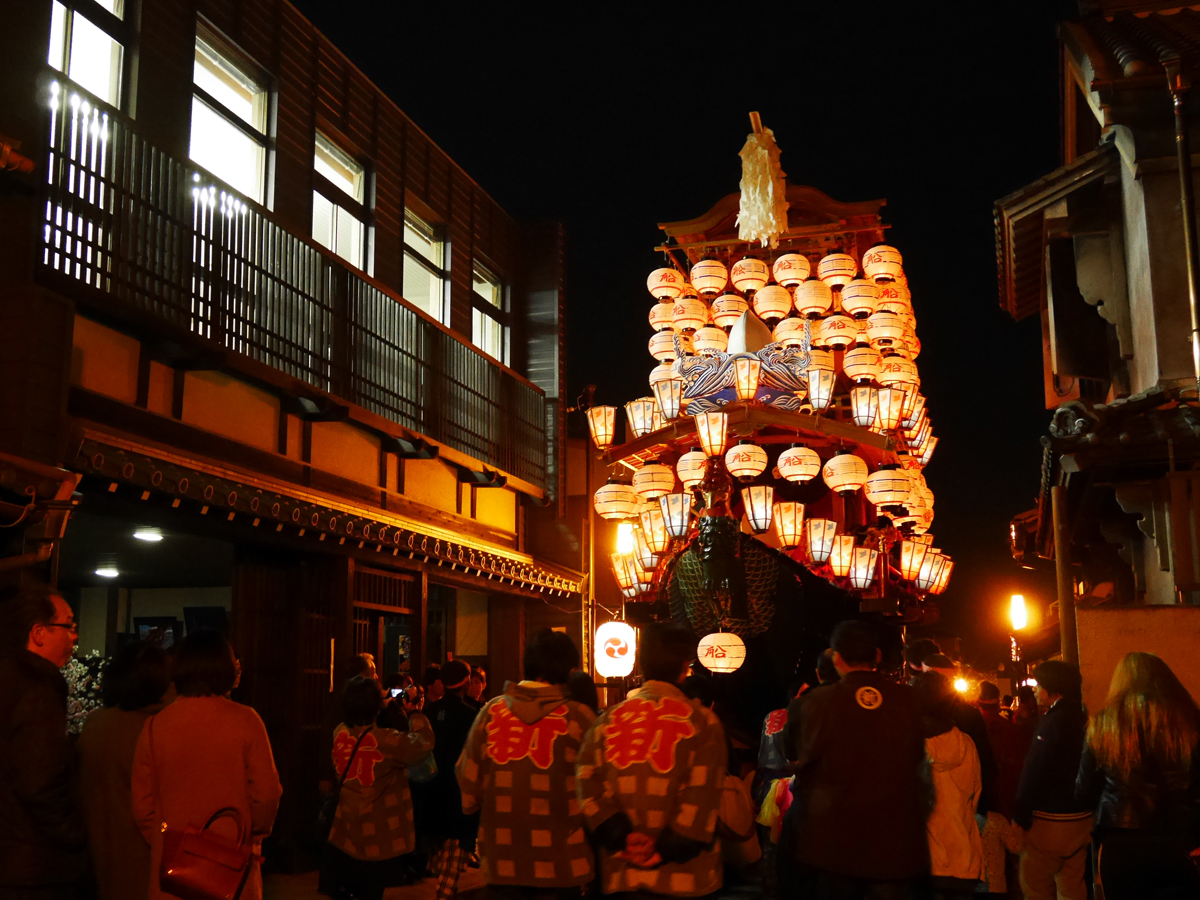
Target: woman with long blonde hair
<point>1141,771</point>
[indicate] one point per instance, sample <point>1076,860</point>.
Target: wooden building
<point>269,355</point>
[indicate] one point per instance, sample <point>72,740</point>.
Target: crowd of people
<point>866,786</point>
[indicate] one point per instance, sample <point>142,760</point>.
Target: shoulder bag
<point>329,807</point>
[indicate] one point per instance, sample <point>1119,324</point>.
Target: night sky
<point>628,116</point>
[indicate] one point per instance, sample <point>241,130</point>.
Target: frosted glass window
<point>86,53</point>
<point>342,170</point>
<point>225,150</point>
<point>234,89</point>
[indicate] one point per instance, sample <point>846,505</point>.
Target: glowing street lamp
<point>1017,612</point>
<point>961,685</point>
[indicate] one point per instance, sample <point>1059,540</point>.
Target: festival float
<point>784,422</point>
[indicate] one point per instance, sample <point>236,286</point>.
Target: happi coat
<point>518,771</point>
<point>659,758</point>
<point>374,819</point>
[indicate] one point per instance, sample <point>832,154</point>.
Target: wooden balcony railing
<point>162,238</point>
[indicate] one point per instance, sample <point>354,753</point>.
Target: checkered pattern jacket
<point>659,758</point>
<point>518,770</point>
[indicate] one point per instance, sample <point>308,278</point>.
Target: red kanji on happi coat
<point>776,721</point>
<point>509,739</point>
<point>363,768</point>
<point>645,731</point>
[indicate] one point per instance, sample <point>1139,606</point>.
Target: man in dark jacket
<point>860,819</point>
<point>1058,826</point>
<point>41,834</point>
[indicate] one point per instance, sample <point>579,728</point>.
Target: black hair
<point>433,672</point>
<point>934,698</point>
<point>1026,695</point>
<point>856,642</point>
<point>550,657</point>
<point>701,688</point>
<point>397,680</point>
<point>916,651</point>
<point>361,701</point>
<point>1007,701</point>
<point>455,672</point>
<point>204,666</point>
<point>988,692</point>
<point>136,677</point>
<point>666,649</point>
<point>1059,677</point>
<point>361,664</point>
<point>827,672</point>
<point>582,689</point>
<point>21,609</point>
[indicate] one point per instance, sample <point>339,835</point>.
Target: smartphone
<point>396,692</point>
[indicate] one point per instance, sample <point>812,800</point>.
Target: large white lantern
<point>639,414</point>
<point>837,269</point>
<point>820,534</point>
<point>653,480</point>
<point>884,329</point>
<point>654,527</point>
<point>666,284</point>
<point>841,557</point>
<point>860,298</point>
<point>789,524</point>
<point>931,567</point>
<point>677,513</point>
<point>861,364</point>
<point>837,331</point>
<point>749,274</point>
<point>691,467</point>
<point>862,571</point>
<point>721,652</point>
<point>891,405</point>
<point>710,339</point>
<point>896,370</point>
<point>799,464</point>
<point>759,501</point>
<point>711,429</point>
<point>727,309</point>
<point>668,390</point>
<point>914,405</point>
<point>624,570</point>
<point>791,269</point>
<point>943,578</point>
<point>864,405</point>
<point>813,298</point>
<point>746,370</point>
<point>616,500</point>
<point>821,380</point>
<point>912,554</point>
<point>790,332</point>
<point>894,298</point>
<point>661,316</point>
<point>602,423</point>
<point>688,314</point>
<point>662,345</point>
<point>709,277</point>
<point>616,649</point>
<point>746,460</point>
<point>772,302</point>
<point>844,473</point>
<point>889,486</point>
<point>882,261</point>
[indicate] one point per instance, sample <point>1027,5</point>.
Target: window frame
<point>362,210</point>
<point>501,313</point>
<point>118,28</point>
<point>438,234</point>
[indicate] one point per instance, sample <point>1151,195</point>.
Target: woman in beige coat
<point>204,753</point>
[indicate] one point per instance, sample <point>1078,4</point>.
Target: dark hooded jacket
<point>518,771</point>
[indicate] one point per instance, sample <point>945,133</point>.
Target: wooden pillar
<point>420,651</point>
<point>1066,582</point>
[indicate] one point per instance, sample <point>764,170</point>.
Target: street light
<point>961,685</point>
<point>1017,612</point>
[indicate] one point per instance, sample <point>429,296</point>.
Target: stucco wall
<point>1106,635</point>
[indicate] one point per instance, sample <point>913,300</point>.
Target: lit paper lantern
<point>662,345</point>
<point>639,414</point>
<point>943,578</point>
<point>837,331</point>
<point>790,332</point>
<point>711,428</point>
<point>709,277</point>
<point>759,501</point>
<point>665,284</point>
<point>860,298</point>
<point>602,423</point>
<point>837,269</point>
<point>710,339</point>
<point>914,405</point>
<point>820,386</point>
<point>625,540</point>
<point>727,309</point>
<point>661,316</point>
<point>668,390</point>
<point>791,269</point>
<point>654,527</point>
<point>844,473</point>
<point>882,261</point>
<point>772,302</point>
<point>653,479</point>
<point>789,524</point>
<point>691,467</point>
<point>931,567</point>
<point>894,298</point>
<point>820,534</point>
<point>891,403</point>
<point>884,329</point>
<point>912,554</point>
<point>688,314</point>
<point>623,570</point>
<point>861,364</point>
<point>645,574</point>
<point>889,486</point>
<point>813,298</point>
<point>928,454</point>
<point>898,371</point>
<point>841,557</point>
<point>746,460</point>
<point>616,500</point>
<point>677,513</point>
<point>862,571</point>
<point>746,370</point>
<point>749,274</point>
<point>616,649</point>
<point>721,652</point>
<point>864,405</point>
<point>799,464</point>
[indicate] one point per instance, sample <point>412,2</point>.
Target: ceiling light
<point>149,535</point>
<point>108,572</point>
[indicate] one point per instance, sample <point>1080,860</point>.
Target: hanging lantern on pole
<point>727,309</point>
<point>837,269</point>
<point>746,460</point>
<point>653,480</point>
<point>711,428</point>
<point>861,364</point>
<point>616,649</point>
<point>654,527</point>
<point>746,370</point>
<point>668,390</point>
<point>789,524</point>
<point>821,533</point>
<point>721,652</point>
<point>891,405</point>
<point>943,577</point>
<point>799,464</point>
<point>772,302</point>
<point>931,567</point>
<point>689,314</point>
<point>862,570</point>
<point>677,513</point>
<point>882,262</point>
<point>888,486</point>
<point>841,557</point>
<point>912,554</point>
<point>837,331</point>
<point>844,473</point>
<point>749,274</point>
<point>639,414</point>
<point>791,269</point>
<point>813,298</point>
<point>759,501</point>
<point>710,340</point>
<point>821,377</point>
<point>602,423</point>
<point>691,467</point>
<point>622,564</point>
<point>860,298</point>
<point>709,276</point>
<point>864,404</point>
<point>790,332</point>
<point>666,284</point>
<point>662,315</point>
<point>616,500</point>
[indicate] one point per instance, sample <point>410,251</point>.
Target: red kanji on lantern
<point>509,739</point>
<point>647,731</point>
<point>362,769</point>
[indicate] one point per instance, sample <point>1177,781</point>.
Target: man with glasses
<point>41,834</point>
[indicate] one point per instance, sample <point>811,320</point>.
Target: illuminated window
<point>338,210</point>
<point>229,119</point>
<point>86,51</point>
<point>489,328</point>
<point>424,267</point>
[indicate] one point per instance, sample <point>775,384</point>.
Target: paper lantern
<point>884,329</point>
<point>616,500</point>
<point>844,473</point>
<point>727,309</point>
<point>772,302</point>
<point>837,331</point>
<point>930,569</point>
<point>746,460</point>
<point>688,314</point>
<point>721,652</point>
<point>861,364</point>
<point>625,539</point>
<point>928,454</point>
<point>799,464</point>
<point>860,298</point>
<point>791,269</point>
<point>691,467</point>
<point>882,261</point>
<point>654,527</point>
<point>661,316</point>
<point>914,405</point>
<point>820,387</point>
<point>889,486</point>
<point>896,370</point>
<point>943,578</point>
<point>894,298</point>
<point>891,404</point>
<point>813,298</point>
<point>837,269</point>
<point>616,649</point>
<point>789,524</point>
<point>862,570</point>
<point>644,573</point>
<point>710,339</point>
<point>677,513</point>
<point>709,276</point>
<point>864,405</point>
<point>639,414</point>
<point>749,274</point>
<point>653,479</point>
<point>912,554</point>
<point>746,370</point>
<point>820,534</point>
<point>662,345</point>
<point>759,502</point>
<point>841,555</point>
<point>623,570</point>
<point>668,390</point>
<point>711,427</point>
<point>790,332</point>
<point>602,423</point>
<point>665,284</point>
